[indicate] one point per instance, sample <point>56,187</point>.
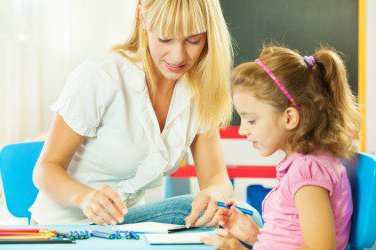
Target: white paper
<point>147,227</point>
<point>179,238</point>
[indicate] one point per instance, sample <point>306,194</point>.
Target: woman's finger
<point>214,222</point>
<point>111,209</point>
<point>198,206</point>
<point>115,197</point>
<point>94,218</point>
<point>101,212</point>
<point>208,214</point>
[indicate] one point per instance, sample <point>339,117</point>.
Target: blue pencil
<point>243,210</point>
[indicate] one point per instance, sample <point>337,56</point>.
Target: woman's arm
<point>316,218</point>
<point>51,178</point>
<point>212,178</point>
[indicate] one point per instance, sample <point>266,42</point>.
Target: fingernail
<point>113,222</point>
<point>120,219</point>
<point>188,225</point>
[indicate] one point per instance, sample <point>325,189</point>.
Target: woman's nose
<point>178,54</point>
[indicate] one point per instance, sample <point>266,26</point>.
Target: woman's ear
<point>291,118</point>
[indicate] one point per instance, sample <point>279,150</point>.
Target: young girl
<point>303,106</point>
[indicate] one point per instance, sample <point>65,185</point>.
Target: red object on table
<point>22,230</point>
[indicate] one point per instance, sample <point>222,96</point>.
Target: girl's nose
<point>243,131</point>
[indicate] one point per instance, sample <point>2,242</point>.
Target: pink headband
<point>278,83</point>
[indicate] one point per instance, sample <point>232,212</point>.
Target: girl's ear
<point>291,118</point>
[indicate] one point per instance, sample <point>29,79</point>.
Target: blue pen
<point>243,210</point>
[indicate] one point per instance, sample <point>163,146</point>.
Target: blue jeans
<point>172,210</point>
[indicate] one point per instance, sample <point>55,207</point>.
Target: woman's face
<point>174,57</point>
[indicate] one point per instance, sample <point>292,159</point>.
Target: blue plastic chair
<point>255,196</point>
<point>17,162</point>
<point>362,176</point>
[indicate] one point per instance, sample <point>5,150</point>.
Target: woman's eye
<point>252,122</point>
<point>193,41</point>
<point>164,40</point>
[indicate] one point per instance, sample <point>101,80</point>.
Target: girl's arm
<point>315,217</point>
<point>51,178</point>
<point>212,178</point>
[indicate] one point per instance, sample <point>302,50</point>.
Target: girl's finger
<point>230,203</point>
<point>223,233</point>
<point>209,240</point>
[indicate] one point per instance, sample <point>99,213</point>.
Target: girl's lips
<point>175,68</point>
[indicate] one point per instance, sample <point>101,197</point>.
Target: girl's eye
<point>164,40</point>
<point>252,122</point>
<point>193,42</point>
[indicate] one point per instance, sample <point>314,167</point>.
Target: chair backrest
<point>17,162</point>
<point>255,195</point>
<point>362,175</point>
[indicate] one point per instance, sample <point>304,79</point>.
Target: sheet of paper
<point>147,227</point>
<point>180,238</point>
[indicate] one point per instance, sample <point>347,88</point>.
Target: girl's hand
<point>238,224</point>
<point>224,241</point>
<point>103,206</point>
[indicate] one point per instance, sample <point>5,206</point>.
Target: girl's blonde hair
<point>209,78</point>
<point>329,117</point>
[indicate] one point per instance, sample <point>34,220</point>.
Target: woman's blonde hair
<point>329,116</point>
<point>209,78</point>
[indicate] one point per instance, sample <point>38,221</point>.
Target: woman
<point>127,118</point>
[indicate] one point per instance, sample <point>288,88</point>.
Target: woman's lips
<point>175,68</point>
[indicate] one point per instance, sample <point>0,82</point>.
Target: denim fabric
<point>172,210</point>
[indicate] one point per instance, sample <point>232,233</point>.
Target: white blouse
<point>106,100</point>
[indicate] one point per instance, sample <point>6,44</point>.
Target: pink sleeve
<point>307,172</point>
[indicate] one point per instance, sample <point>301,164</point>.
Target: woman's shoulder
<point>108,60</point>
<point>115,67</point>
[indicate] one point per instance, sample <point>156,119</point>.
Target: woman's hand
<point>103,206</point>
<point>238,224</point>
<point>224,241</point>
<point>203,202</point>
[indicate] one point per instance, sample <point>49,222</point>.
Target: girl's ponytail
<point>343,103</point>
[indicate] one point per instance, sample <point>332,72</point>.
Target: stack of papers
<point>148,227</point>
<point>158,233</point>
<point>181,238</point>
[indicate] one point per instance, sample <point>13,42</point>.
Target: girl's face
<point>174,57</point>
<point>259,122</point>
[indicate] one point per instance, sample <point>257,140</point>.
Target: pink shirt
<point>282,229</point>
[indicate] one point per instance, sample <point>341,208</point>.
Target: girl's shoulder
<point>319,168</point>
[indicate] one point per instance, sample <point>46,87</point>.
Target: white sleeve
<point>84,99</point>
